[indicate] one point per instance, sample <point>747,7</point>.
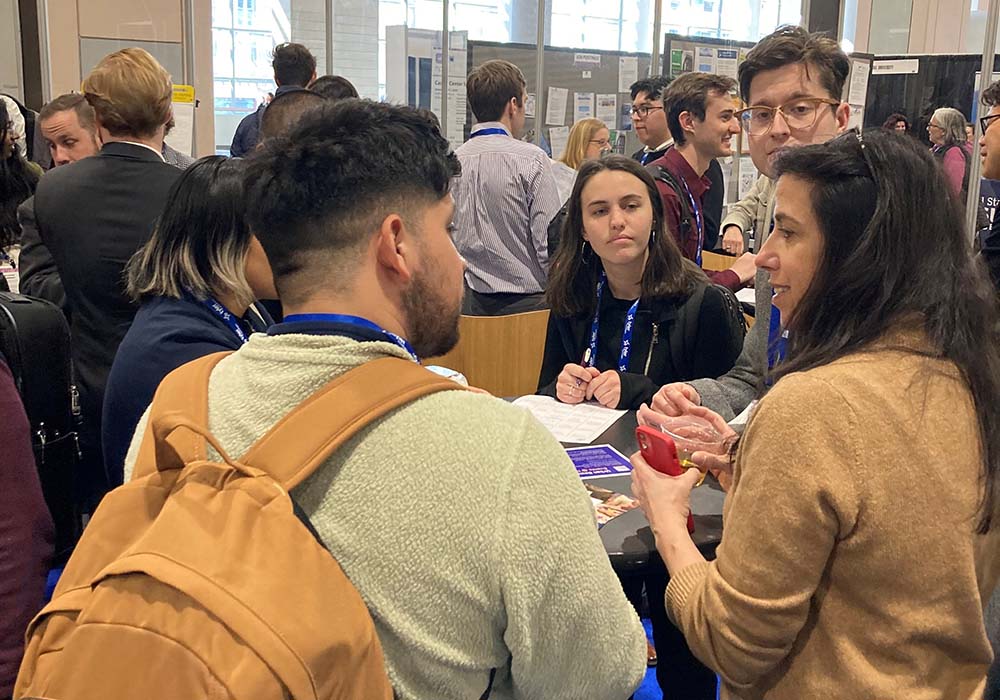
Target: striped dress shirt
<point>504,201</point>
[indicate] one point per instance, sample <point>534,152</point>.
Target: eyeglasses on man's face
<point>801,113</point>
<point>984,122</point>
<point>643,111</point>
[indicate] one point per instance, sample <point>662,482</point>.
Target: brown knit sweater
<point>849,567</point>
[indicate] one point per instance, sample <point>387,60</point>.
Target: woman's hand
<point>573,382</point>
<point>606,388</point>
<point>664,499</point>
<point>720,464</point>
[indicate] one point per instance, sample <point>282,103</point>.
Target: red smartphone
<point>660,453</point>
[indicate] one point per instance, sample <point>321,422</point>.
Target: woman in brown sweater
<point>861,523</point>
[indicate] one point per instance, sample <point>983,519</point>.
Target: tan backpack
<point>200,578</point>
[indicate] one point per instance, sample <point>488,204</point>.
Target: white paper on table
<point>628,72</point>
<point>858,93</point>
<point>579,423</point>
<point>747,295</point>
<point>555,110</point>
<point>706,59</point>
<point>583,106</point>
<point>607,109</point>
<point>558,138</point>
<point>529,105</point>
<point>725,62</point>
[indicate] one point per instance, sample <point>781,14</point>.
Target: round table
<point>628,538</point>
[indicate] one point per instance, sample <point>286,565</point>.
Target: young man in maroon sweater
<point>702,120</point>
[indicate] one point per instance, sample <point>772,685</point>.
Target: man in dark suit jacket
<point>93,215</point>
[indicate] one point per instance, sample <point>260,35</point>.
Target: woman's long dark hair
<point>573,276</point>
<point>17,183</point>
<point>895,251</point>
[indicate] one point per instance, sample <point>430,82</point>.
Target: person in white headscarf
<point>17,124</point>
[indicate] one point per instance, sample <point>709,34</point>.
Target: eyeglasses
<point>984,122</point>
<point>643,112</point>
<point>603,143</point>
<point>936,126</point>
<point>757,120</point>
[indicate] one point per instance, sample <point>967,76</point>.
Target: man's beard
<point>432,325</point>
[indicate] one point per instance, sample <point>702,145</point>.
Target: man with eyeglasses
<point>650,123</point>
<point>989,150</point>
<point>792,82</point>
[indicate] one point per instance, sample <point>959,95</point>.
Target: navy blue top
<point>165,334</point>
<point>247,134</point>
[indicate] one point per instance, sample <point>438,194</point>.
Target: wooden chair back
<point>502,354</point>
<point>716,262</point>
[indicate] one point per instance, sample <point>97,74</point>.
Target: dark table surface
<point>628,538</point>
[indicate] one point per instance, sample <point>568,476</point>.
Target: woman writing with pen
<point>629,314</point>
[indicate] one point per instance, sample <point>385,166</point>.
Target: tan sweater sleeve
<point>794,497</point>
<point>556,577</point>
<point>744,212</point>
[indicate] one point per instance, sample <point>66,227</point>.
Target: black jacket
<point>660,323</point>
<point>92,216</point>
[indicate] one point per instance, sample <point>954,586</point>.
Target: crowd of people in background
<point>860,543</point>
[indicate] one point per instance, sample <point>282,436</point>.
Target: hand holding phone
<point>660,453</point>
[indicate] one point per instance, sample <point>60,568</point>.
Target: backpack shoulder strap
<point>301,441</point>
<point>665,176</point>
<point>683,332</point>
<point>183,391</point>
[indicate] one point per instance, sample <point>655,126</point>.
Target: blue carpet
<point>650,689</point>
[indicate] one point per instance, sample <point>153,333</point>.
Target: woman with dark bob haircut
<point>196,280</point>
<point>629,313</point>
<point>861,525</point>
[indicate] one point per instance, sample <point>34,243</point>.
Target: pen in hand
<point>585,362</point>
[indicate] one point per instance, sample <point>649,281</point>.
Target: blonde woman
<point>589,139</point>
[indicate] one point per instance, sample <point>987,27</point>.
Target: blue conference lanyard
<point>353,321</point>
<point>699,224</point>
<point>495,130</point>
<point>227,317</point>
<point>626,331</point>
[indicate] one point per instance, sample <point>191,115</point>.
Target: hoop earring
<point>585,252</point>
<point>652,237</point>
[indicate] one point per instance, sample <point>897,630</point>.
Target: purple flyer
<point>598,461</point>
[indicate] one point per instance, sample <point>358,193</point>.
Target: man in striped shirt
<point>504,199</point>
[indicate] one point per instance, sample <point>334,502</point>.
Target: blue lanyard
<point>354,321</point>
<point>697,220</point>
<point>488,132</point>
<point>626,331</point>
<point>227,317</point>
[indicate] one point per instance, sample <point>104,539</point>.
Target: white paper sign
<point>558,138</point>
<point>725,62</point>
<point>748,176</point>
<point>181,137</point>
<point>583,106</point>
<point>555,110</point>
<point>587,59</point>
<point>859,83</point>
<point>706,59</point>
<point>607,109</point>
<point>529,105</point>
<point>628,72</point>
<point>896,67</point>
